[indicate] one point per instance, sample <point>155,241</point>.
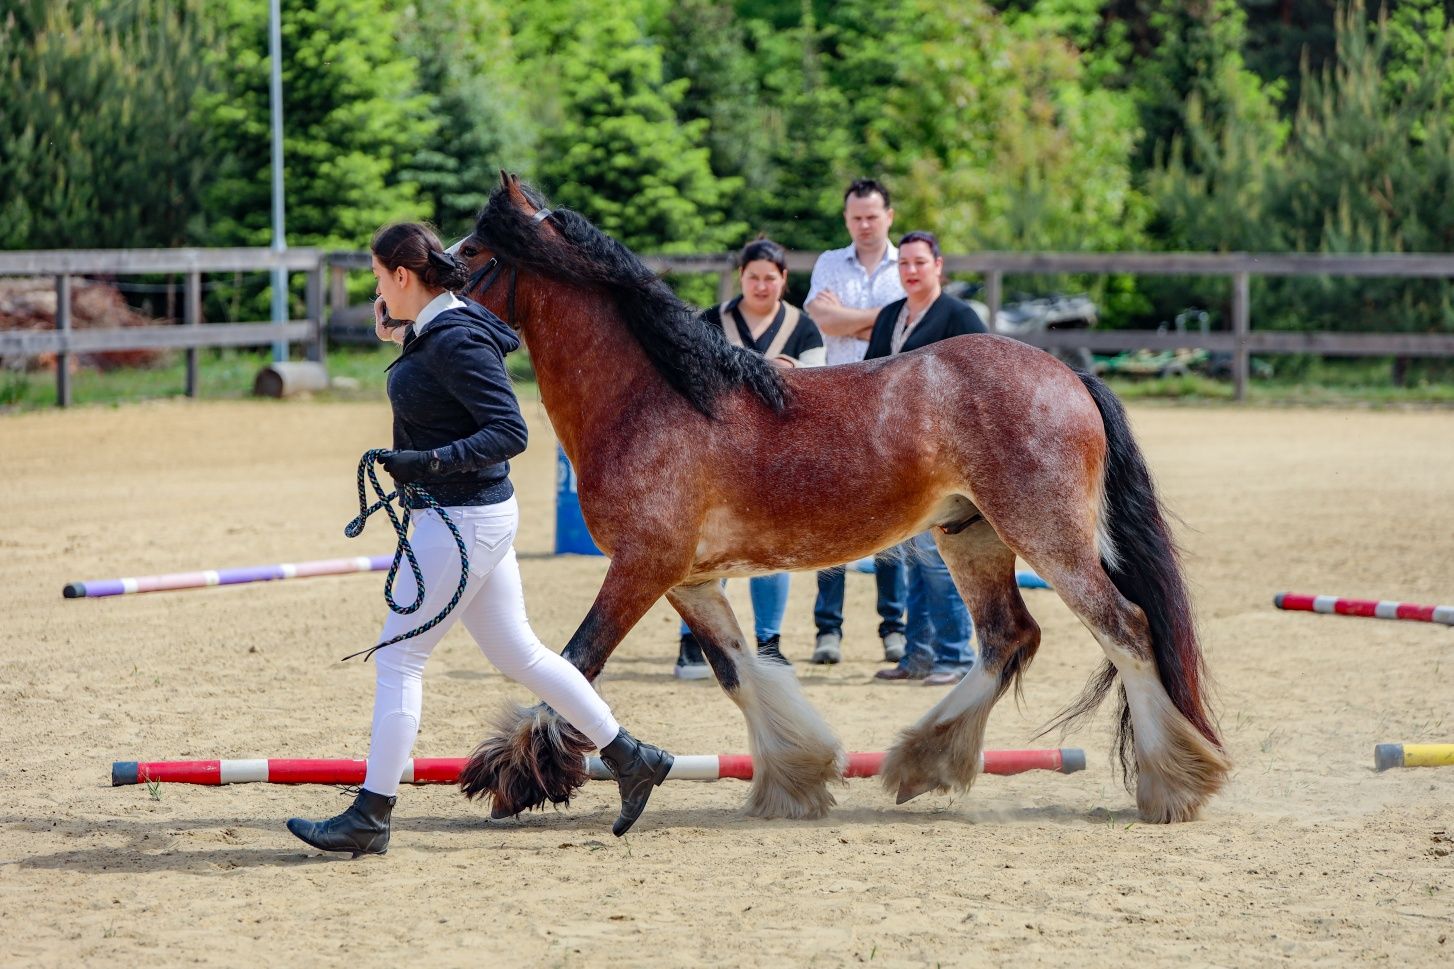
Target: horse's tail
<point>1142,560</point>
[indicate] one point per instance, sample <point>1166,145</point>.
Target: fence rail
<point>1239,267</point>
<point>1240,340</point>
<point>191,334</point>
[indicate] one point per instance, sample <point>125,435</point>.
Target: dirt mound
<point>29,303</point>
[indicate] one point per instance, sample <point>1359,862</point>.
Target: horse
<point>698,461</point>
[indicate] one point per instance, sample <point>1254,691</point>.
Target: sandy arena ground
<point>1309,857</point>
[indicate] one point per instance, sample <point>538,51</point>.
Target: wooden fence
<point>190,334</point>
<point>1241,340</point>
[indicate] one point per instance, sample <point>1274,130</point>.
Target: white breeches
<point>492,608</point>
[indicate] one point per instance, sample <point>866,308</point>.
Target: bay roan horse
<point>698,461</point>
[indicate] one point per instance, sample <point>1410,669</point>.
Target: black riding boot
<point>363,829</point>
<point>771,650</point>
<point>637,768</point>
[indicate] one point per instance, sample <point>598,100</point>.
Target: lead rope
<point>404,550</point>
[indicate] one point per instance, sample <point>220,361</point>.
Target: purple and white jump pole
<point>98,588</point>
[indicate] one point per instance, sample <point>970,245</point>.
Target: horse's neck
<point>587,366</point>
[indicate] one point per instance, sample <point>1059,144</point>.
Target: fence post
<point>1241,324</point>
<point>337,286</point>
<point>993,285</point>
<point>313,296</point>
<point>726,283</point>
<point>192,316</point>
<point>63,327</point>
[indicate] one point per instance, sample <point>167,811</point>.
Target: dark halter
<point>487,275</point>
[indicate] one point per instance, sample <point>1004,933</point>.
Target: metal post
<point>280,244</point>
<point>993,285</point>
<point>314,298</point>
<point>63,327</point>
<point>192,316</point>
<point>1241,324</point>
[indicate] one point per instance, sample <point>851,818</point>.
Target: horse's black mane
<point>692,356</point>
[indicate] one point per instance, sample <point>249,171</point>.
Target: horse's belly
<point>736,543</point>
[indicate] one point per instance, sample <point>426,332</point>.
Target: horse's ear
<point>504,178</point>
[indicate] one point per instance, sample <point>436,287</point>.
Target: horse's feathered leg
<point>1126,584</point>
<point>941,751</point>
<point>794,753</point>
<point>534,755</point>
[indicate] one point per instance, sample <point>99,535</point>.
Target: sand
<point>1308,857</point>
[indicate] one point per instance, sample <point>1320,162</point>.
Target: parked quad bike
<point>1038,315</point>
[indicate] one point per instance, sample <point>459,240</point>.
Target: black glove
<point>407,467</point>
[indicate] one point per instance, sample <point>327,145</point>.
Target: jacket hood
<point>474,315</point>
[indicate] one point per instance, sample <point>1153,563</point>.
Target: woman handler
<point>456,425</point>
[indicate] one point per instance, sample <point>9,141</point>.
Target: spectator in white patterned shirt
<point>849,287</point>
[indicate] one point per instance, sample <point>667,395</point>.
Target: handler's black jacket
<point>946,318</point>
<point>451,394</point>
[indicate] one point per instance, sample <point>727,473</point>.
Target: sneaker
<point>691,664</point>
<point>894,646</point>
<point>900,672</point>
<point>828,650</point>
<point>771,649</point>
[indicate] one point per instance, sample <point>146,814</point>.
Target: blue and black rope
<point>404,551</point>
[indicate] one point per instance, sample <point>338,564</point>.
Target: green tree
<point>715,54</point>
<point>1197,60</point>
<point>997,143</point>
<point>468,71</point>
<point>1371,162</point>
<point>618,153</point>
<point>809,157</point>
<point>101,147</point>
<point>353,121</point>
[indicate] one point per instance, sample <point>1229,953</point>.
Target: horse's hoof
<point>907,791</point>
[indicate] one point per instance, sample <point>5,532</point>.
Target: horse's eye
<point>469,252</point>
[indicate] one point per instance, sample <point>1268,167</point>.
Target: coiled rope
<point>404,550</point>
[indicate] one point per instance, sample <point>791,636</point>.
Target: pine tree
<point>618,154</point>
<point>101,147</point>
<point>1370,170</point>
<point>706,46</point>
<point>352,119</point>
<point>1196,59</point>
<point>810,155</point>
<point>468,71</point>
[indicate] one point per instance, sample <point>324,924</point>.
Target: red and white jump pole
<point>1369,608</point>
<point>445,770</point>
<point>98,588</point>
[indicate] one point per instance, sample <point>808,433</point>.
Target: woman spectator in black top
<point>760,320</point>
<point>940,626</point>
<point>456,425</point>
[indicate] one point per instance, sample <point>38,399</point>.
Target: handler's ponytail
<point>416,247</point>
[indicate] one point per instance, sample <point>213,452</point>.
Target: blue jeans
<point>769,602</point>
<point>888,574</point>
<point>940,626</point>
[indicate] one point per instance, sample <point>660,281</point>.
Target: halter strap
<point>540,216</point>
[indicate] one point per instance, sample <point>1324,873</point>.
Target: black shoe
<point>637,768</point>
<point>691,664</point>
<point>363,829</point>
<point>771,649</point>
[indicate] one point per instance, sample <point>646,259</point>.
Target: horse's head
<point>485,252</point>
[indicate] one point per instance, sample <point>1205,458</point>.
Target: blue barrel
<point>571,535</point>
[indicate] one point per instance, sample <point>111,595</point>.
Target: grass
<point>222,374</point>
<point>228,374</point>
<point>1306,381</point>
